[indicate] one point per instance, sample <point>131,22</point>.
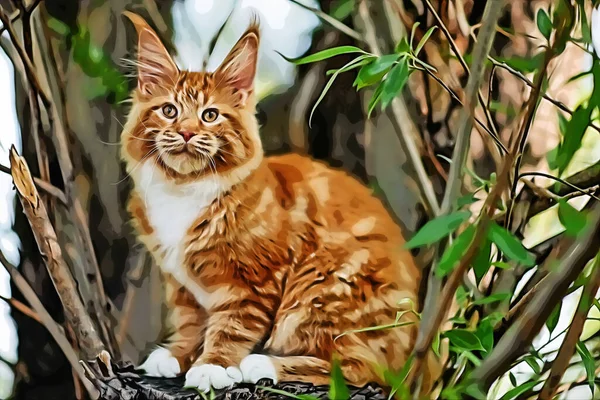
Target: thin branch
<point>29,68</point>
<point>22,308</point>
<point>562,181</point>
<point>332,21</point>
<point>434,310</point>
<point>50,250</point>
<point>454,47</point>
<point>529,83</point>
<point>55,330</point>
<point>561,362</point>
<point>43,185</point>
<point>407,131</point>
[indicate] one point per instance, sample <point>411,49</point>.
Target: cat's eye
<point>210,115</point>
<point>169,110</point>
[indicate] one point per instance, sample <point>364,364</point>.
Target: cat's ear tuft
<point>239,67</point>
<point>155,65</point>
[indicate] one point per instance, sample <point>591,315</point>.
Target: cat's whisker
<point>128,174</point>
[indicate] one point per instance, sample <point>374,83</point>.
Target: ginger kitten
<point>266,260</point>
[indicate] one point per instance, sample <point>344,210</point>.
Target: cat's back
<point>331,199</point>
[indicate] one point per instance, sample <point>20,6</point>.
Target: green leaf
<point>466,200</point>
<point>464,340</point>
<point>373,73</point>
<point>402,47</point>
<point>512,378</point>
<point>510,245</point>
<point>396,380</point>
<point>533,364</point>
<point>573,220</point>
<point>551,158</point>
<point>552,320</point>
<point>485,333</point>
<point>375,99</point>
<point>324,54</point>
<point>519,390</point>
<point>424,39</point>
<point>492,298</point>
<point>455,252</point>
<point>572,141</point>
<point>342,9</point>
<point>435,345</point>
<point>481,263</point>
<point>394,82</point>
<point>358,60</point>
<point>544,24</point>
<point>588,362</point>
<point>338,388</point>
<point>501,265</point>
<point>284,393</point>
<point>438,228</point>
<point>58,26</point>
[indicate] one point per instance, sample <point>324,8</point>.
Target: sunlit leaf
<point>373,72</point>
<point>352,64</point>
<point>588,362</point>
<point>464,340</point>
<point>342,9</point>
<point>510,245</point>
<point>337,387</point>
<point>455,251</point>
<point>325,54</point>
<point>424,39</point>
<point>519,390</point>
<point>438,228</point>
<point>493,298</point>
<point>543,23</point>
<point>573,220</point>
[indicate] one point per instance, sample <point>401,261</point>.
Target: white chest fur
<point>171,210</point>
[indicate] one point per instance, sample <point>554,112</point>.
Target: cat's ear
<point>155,65</point>
<point>239,67</point>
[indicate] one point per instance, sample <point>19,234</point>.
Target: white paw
<point>256,367</point>
<point>207,375</point>
<point>162,364</point>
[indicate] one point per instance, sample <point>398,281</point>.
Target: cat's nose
<point>186,135</point>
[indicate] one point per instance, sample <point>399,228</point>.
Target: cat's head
<point>193,124</point>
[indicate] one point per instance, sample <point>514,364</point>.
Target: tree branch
<point>521,333</point>
<point>57,332</point>
<point>42,185</point>
<point>561,362</point>
<point>50,250</point>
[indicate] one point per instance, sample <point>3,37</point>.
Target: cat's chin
<point>184,163</point>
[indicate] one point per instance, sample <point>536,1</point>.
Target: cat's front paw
<point>206,376</point>
<point>161,363</point>
<point>256,367</point>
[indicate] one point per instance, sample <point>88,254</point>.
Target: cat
<point>272,265</point>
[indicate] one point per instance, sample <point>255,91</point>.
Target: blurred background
<point>79,48</point>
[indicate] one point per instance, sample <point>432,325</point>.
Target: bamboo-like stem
<point>407,132</point>
<point>434,310</point>
<point>51,252</point>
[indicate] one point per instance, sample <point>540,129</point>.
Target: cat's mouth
<point>184,159</point>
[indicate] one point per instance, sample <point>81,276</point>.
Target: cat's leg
<point>300,368</point>
<point>186,319</point>
<point>233,330</point>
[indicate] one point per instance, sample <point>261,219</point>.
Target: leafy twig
<point>408,130</point>
<point>522,332</point>
<point>332,21</point>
